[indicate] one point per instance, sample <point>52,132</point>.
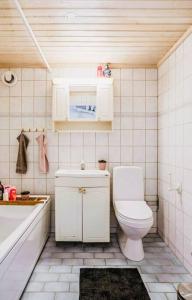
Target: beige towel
<point>21,166</point>
<point>43,161</point>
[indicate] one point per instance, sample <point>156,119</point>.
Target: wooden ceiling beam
<point>86,12</point>
<point>93,4</point>
<point>99,27</point>
<point>35,21</point>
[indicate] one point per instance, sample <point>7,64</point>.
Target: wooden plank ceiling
<point>133,32</point>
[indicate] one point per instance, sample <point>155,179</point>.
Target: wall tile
<point>174,150</point>
<point>27,74</point>
<point>138,154</point>
<point>27,88</point>
<point>139,74</point>
<point>126,74</point>
<point>29,104</point>
<point>151,74</point>
<point>151,88</point>
<point>126,88</point>
<point>4,104</point>
<point>139,88</point>
<point>15,90</point>
<point>126,154</point>
<point>102,139</point>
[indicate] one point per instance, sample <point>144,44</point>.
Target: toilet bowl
<point>134,216</point>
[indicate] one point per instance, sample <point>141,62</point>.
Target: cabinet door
<point>68,214</point>
<point>96,215</point>
<point>60,103</point>
<point>104,102</point>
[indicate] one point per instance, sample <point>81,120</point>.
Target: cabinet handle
<point>82,190</point>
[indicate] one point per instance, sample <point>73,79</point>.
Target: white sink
<point>81,173</point>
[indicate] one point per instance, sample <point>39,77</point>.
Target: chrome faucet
<point>82,165</point>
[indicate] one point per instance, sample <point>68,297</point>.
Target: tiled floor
<point>56,276</point>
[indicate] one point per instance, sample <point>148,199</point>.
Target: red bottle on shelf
<point>100,71</point>
<point>12,194</point>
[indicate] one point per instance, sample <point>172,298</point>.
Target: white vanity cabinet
<point>82,206</point>
<point>96,215</point>
<point>68,214</point>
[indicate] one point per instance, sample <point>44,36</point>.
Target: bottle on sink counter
<point>1,191</point>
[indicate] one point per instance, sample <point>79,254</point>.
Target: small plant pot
<point>25,195</point>
<point>102,165</point>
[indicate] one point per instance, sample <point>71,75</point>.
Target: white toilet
<point>133,214</point>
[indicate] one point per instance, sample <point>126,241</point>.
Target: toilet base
<point>132,249</point>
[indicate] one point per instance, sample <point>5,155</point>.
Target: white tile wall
<point>175,151</point>
<point>133,141</point>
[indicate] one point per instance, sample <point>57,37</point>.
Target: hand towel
<point>43,160</point>
<point>21,166</point>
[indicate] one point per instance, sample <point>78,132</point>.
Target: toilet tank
<point>128,183</point>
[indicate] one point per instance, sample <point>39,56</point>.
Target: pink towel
<point>43,161</point>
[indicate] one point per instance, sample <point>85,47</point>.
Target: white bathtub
<point>23,233</point>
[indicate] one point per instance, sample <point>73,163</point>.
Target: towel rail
<point>33,130</point>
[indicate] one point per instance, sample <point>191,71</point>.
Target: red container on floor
<point>12,194</point>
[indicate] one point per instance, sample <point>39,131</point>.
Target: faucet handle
<point>82,165</point>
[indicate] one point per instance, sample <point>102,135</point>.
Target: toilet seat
<point>133,213</point>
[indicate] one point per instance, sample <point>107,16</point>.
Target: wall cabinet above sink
<point>83,104</point>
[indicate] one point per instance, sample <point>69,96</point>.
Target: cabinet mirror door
<point>82,104</point>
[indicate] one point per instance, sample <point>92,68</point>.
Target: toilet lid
<point>136,210</point>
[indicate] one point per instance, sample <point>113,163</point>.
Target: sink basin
<point>81,173</point>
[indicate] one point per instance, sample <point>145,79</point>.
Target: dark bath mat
<point>111,284</point>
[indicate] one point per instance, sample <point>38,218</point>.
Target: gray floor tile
<point>149,278</point>
<point>69,277</point>
<point>157,296</point>
<point>45,277</point>
<point>66,296</point>
<point>118,255</point>
<point>73,261</point>
<point>74,287</point>
<point>174,269</point>
<point>171,296</point>
<point>169,277</point>
<point>84,255</point>
<point>56,287</point>
<point>160,287</point>
<point>56,275</point>
<point>34,286</point>
<point>186,278</point>
<point>94,262</point>
<point>151,269</point>
<point>49,261</point>
<point>60,269</point>
<point>40,268</point>
<point>38,296</point>
<point>62,255</point>
<point>105,255</point>
<point>116,262</point>
<point>160,262</point>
